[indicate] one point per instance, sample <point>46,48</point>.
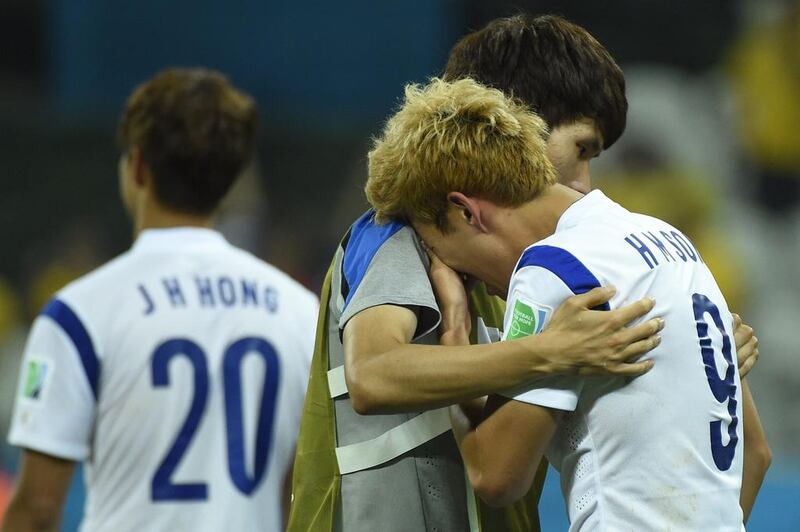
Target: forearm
<point>22,517</point>
<point>502,445</point>
<point>757,455</point>
<point>385,373</point>
<point>413,377</point>
<point>39,494</point>
<point>465,418</point>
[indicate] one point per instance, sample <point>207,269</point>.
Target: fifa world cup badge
<point>528,318</point>
<point>37,375</point>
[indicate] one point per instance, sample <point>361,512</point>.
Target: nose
<point>583,181</point>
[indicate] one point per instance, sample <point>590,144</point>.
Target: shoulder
<point>564,261</point>
<point>555,260</point>
<point>83,293</point>
<point>384,264</point>
<point>386,253</point>
<point>301,297</point>
<point>367,240</point>
<point>78,313</point>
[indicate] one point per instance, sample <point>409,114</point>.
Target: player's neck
<point>153,216</point>
<point>538,218</point>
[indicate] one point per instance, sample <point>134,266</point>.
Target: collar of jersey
<point>582,208</point>
<point>174,238</point>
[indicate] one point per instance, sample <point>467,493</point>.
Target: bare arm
<point>41,488</point>
<point>502,447</point>
<point>385,373</point>
<point>757,454</point>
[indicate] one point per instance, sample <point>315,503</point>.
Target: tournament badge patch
<point>527,318</point>
<point>37,375</point>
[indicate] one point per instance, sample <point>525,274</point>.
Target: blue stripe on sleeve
<point>69,322</point>
<point>565,266</point>
<point>366,238</point>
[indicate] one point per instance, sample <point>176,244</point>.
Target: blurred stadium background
<point>712,145</point>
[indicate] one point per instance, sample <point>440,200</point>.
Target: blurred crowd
<point>711,146</point>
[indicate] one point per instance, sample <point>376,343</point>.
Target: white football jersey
<point>662,451</point>
<point>177,371</point>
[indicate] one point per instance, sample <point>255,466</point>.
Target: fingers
<point>746,367</point>
<point>637,349</point>
<point>628,313</point>
<point>435,260</point>
<point>594,297</point>
<point>742,333</point>
<point>642,331</point>
<point>750,357</point>
<point>622,369</point>
<point>627,363</point>
<point>745,345</point>
<point>637,342</point>
<point>437,265</point>
<point>631,370</point>
<point>439,268</point>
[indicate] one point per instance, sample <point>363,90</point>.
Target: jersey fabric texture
<point>177,372</point>
<point>424,489</point>
<point>662,451</point>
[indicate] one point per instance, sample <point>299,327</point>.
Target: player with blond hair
<point>661,451</point>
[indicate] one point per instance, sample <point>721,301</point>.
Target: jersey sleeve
<point>397,274</point>
<point>56,394</point>
<point>534,294</point>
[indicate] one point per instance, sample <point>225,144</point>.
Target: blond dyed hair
<point>456,136</point>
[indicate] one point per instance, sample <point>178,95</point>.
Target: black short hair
<point>196,133</point>
<point>552,65</point>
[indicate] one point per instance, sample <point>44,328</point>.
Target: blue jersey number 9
<point>723,389</point>
<point>162,487</point>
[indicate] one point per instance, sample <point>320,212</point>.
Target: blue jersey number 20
<point>162,487</point>
<point>723,389</point>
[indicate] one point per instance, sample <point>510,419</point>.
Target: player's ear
<point>469,209</point>
<point>138,166</point>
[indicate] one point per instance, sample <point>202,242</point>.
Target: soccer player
<point>176,372</point>
<point>570,80</point>
<point>378,300</point>
<point>663,451</point>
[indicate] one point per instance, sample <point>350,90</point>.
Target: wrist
<point>455,322</point>
<point>546,355</point>
<point>454,335</point>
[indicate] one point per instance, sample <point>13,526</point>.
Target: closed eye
<point>588,149</point>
